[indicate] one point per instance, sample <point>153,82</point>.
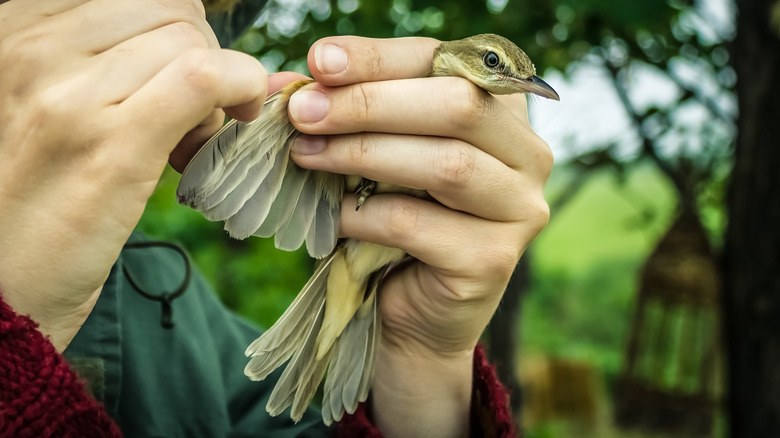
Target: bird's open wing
<point>244,176</point>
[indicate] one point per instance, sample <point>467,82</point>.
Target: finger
<point>441,106</point>
<point>277,81</point>
<point>97,26</point>
<point>186,91</point>
<point>342,60</point>
<point>73,38</point>
<point>453,172</point>
<point>460,245</point>
<point>121,71</point>
<point>539,158</point>
<point>21,14</point>
<point>194,140</point>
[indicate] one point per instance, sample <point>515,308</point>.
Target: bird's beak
<point>535,85</point>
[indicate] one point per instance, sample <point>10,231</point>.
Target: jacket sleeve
<point>491,415</point>
<point>40,396</point>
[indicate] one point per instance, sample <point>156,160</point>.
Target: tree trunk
<point>752,242</point>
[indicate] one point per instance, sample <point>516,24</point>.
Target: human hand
<point>478,157</point>
<point>94,97</point>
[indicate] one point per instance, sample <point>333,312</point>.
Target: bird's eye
<point>491,59</point>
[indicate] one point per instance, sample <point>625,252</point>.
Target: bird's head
<point>493,63</point>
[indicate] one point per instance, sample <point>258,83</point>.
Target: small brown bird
<point>244,176</point>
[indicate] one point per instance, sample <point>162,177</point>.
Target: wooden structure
<point>558,388</point>
<point>670,380</point>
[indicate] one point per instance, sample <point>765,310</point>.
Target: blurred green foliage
<point>553,33</point>
<point>585,266</point>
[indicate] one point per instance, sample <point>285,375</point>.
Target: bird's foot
<point>364,189</point>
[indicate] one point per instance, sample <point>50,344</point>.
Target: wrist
<point>57,321</point>
<point>429,391</point>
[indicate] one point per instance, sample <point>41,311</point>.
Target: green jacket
<point>183,381</point>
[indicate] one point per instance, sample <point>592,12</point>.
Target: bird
<point>243,175</point>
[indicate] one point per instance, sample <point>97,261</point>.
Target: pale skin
<point>96,97</point>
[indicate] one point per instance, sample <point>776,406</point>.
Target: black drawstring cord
<point>165,298</point>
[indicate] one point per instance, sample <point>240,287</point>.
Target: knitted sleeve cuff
<point>40,395</point>
<point>491,415</point>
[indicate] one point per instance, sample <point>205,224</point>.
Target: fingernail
<point>309,144</point>
<point>308,106</point>
<point>330,59</point>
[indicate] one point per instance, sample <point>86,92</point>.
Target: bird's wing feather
<point>222,163</point>
<point>278,343</point>
<point>243,175</point>
<point>241,185</point>
<point>254,210</point>
<point>284,392</point>
<point>323,232</point>
<point>285,201</point>
<point>293,231</point>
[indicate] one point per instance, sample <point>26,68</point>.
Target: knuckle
<point>54,106</point>
<point>402,219</point>
<point>455,167</point>
<point>363,100</point>
<point>200,7</point>
<point>198,70</point>
<point>466,104</point>
<point>185,35</point>
<point>360,148</point>
<point>537,215</point>
<point>374,61</point>
<point>544,158</point>
<point>179,7</point>
<point>22,49</point>
<point>501,261</point>
<point>50,103</point>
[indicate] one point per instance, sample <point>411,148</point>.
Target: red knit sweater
<point>40,396</point>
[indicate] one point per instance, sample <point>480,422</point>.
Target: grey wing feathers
<point>323,232</point>
<point>243,175</point>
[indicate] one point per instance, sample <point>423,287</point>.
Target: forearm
<point>421,395</point>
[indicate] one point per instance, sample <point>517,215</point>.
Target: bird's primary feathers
<point>244,176</point>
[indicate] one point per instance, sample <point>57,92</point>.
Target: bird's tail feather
<point>351,369</point>
<point>301,368</point>
<point>349,363</point>
<point>279,342</point>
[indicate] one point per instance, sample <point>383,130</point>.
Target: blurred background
<point>664,207</point>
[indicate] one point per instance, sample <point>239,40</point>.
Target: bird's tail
<point>350,361</point>
<point>351,370</point>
